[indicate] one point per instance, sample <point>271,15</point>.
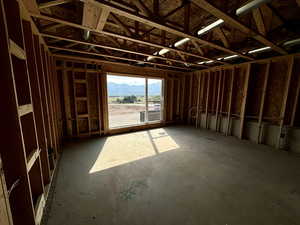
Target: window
<point>134,100</point>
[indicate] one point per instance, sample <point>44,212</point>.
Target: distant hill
<point>115,89</point>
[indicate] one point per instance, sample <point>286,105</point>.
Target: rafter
<point>220,33</point>
<point>106,33</point>
<point>236,24</point>
<point>149,22</point>
<point>102,19</point>
<point>116,57</point>
<point>258,18</point>
<point>122,25</point>
<point>53,3</point>
<point>117,49</point>
<point>197,47</point>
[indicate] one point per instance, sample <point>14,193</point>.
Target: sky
<point>129,80</point>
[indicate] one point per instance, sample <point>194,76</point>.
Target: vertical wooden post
<point>295,102</point>
<point>243,108</point>
<point>262,103</point>
<point>198,100</point>
<point>230,100</point>
<point>222,99</point>
<point>218,98</point>
<point>285,96</point>
<point>207,99</point>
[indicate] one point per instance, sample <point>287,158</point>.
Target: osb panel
<point>83,125</point>
<point>255,89</point>
<point>93,94</point>
<point>94,125</point>
<point>79,75</point>
<point>238,88</point>
<point>275,90</point>
<point>82,107</point>
<point>80,90</point>
<point>228,77</point>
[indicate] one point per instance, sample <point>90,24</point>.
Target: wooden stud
<point>207,100</point>
<point>218,98</point>
<point>262,103</point>
<point>295,105</point>
<point>285,96</point>
<point>230,101</point>
<point>244,101</point>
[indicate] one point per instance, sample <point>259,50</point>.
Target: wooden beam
<point>230,101</point>
<point>222,99</point>
<point>117,49</point>
<point>109,34</point>
<point>122,25</point>
<point>207,99</point>
<point>236,24</point>
<point>198,100</point>
<point>116,57</point>
<point>220,33</point>
<point>198,47</point>
<point>258,18</point>
<point>244,101</point>
<point>262,103</point>
<point>285,97</point>
<point>53,3</point>
<point>31,6</point>
<point>147,21</point>
<point>296,102</point>
<point>218,98</point>
<point>102,19</point>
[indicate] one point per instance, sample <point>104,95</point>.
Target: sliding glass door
<point>133,101</point>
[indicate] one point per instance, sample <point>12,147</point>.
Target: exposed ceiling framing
<point>161,33</point>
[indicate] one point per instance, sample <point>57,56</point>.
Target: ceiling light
<point>250,6</point>
<point>230,57</point>
<point>210,26</point>
<point>200,63</point>
<point>292,42</point>
<point>163,51</point>
<point>210,61</point>
<point>259,50</point>
<point>181,42</point>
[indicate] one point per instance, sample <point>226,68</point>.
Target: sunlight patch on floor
<point>121,149</point>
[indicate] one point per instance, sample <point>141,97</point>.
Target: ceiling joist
<point>53,3</point>
<point>236,24</point>
<point>160,26</point>
<point>135,40</point>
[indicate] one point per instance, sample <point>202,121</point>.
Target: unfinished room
<point>150,112</point>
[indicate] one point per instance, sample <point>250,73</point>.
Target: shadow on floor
<point>175,175</point>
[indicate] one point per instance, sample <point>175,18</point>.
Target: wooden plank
<point>122,25</point>
<point>236,24</point>
<point>102,19</point>
<point>117,57</point>
<point>25,109</point>
<point>16,50</point>
<point>40,205</point>
<point>222,99</point>
<point>244,101</point>
<point>52,3</point>
<point>258,18</point>
<point>66,93</point>
<point>190,99</point>
<point>119,49</point>
<point>198,100</point>
<point>33,156</point>
<point>285,96</point>
<point>219,31</point>
<point>197,47</point>
<point>262,103</point>
<point>207,100</point>
<point>218,98</point>
<point>147,21</point>
<point>296,102</point>
<point>230,101</point>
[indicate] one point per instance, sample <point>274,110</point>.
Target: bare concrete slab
<point>175,176</point>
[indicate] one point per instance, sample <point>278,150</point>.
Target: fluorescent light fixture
<point>230,57</point>
<point>259,50</point>
<point>250,6</point>
<point>163,51</point>
<point>200,63</point>
<point>292,42</point>
<point>210,26</point>
<point>181,42</point>
<point>219,58</point>
<point>150,58</point>
<point>210,61</point>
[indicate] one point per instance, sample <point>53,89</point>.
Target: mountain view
<point>115,89</point>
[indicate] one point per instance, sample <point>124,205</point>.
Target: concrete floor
<point>175,175</point>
